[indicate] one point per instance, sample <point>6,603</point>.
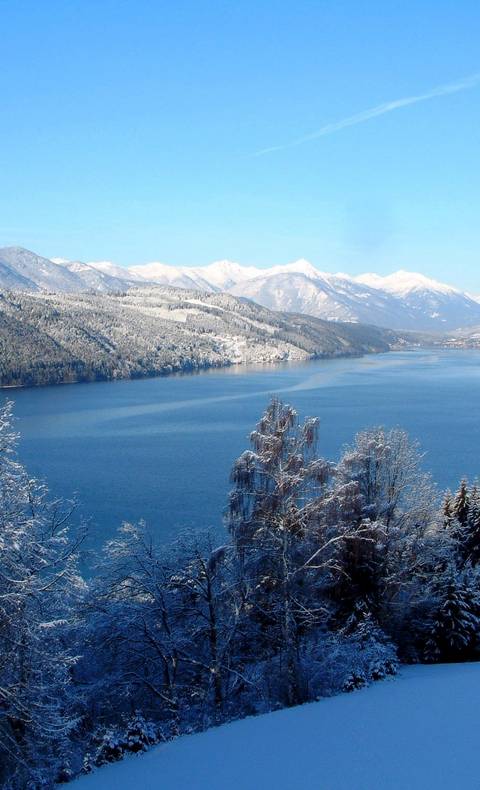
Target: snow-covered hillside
<point>403,282</point>
<point>93,279</point>
<point>119,272</point>
<point>22,270</point>
<point>51,338</point>
<point>217,276</point>
<point>403,300</point>
<point>163,274</point>
<point>331,297</point>
<point>417,732</point>
<point>433,299</point>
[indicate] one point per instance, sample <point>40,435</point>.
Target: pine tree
<point>375,653</point>
<point>461,505</point>
<point>110,747</point>
<point>464,525</point>
<point>453,635</point>
<point>472,529</point>
<point>448,516</point>
<point>139,734</point>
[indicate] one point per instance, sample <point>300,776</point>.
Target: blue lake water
<point>161,449</point>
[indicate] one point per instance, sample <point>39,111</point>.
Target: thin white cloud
<point>381,109</point>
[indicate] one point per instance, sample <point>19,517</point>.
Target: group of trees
<point>330,574</point>
<point>40,589</point>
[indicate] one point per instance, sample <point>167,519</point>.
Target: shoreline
<point>205,369</point>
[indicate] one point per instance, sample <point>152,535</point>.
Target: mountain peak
<point>154,269</point>
<point>224,265</point>
<point>403,282</point>
<point>224,274</point>
<point>60,261</point>
<point>300,266</point>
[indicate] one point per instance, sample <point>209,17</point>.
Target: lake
<point>161,449</point>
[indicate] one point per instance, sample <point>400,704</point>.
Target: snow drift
<point>416,732</point>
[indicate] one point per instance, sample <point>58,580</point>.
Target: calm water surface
<point>161,449</point>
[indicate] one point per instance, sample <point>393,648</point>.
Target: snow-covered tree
<point>210,609</point>
<point>111,743</point>
<point>130,657</point>
<point>397,507</point>
<point>163,631</point>
<point>461,504</point>
<point>39,588</point>
<point>373,654</point>
<point>282,542</point>
<point>464,524</point>
<point>386,465</point>
<point>454,632</point>
<point>278,481</point>
<point>472,532</point>
<point>448,516</point>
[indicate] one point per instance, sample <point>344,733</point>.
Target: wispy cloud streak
<point>381,109</point>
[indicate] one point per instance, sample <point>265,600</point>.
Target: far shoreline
<point>209,369</point>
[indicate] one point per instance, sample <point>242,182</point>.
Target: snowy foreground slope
<point>417,731</point>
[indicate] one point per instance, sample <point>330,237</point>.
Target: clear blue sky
<point>129,131</point>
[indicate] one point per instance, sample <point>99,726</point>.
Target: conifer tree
<point>448,516</point>
<point>453,635</point>
<point>461,505</point>
<point>465,524</point>
<point>472,530</point>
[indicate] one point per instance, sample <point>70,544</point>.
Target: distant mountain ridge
<point>23,270</point>
<point>402,301</point>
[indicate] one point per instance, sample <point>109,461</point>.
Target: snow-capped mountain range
<point>403,300</point>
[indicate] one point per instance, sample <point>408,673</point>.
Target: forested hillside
<point>56,338</point>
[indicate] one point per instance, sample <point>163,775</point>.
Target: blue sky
<point>130,131</point>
